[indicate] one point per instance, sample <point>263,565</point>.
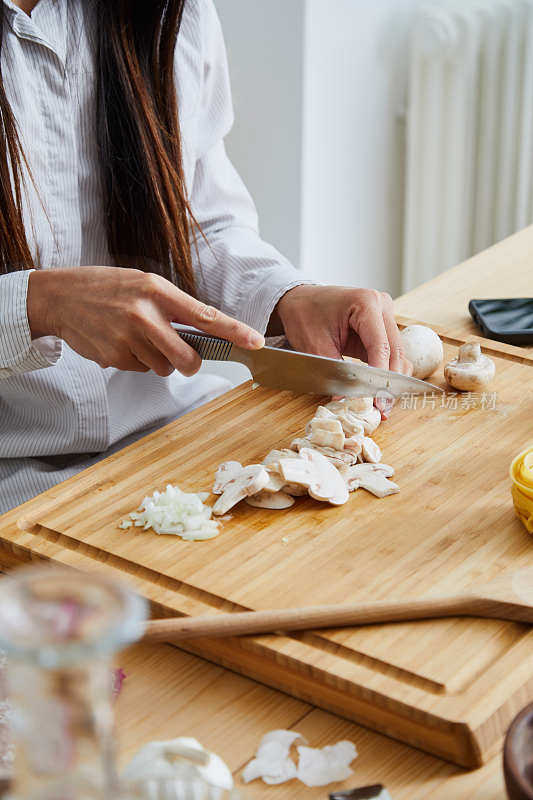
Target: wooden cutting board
<point>448,686</point>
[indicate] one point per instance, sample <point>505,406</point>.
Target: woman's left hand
<point>334,321</point>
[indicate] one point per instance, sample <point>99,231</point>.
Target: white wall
<point>264,39</point>
<point>353,141</point>
<point>317,87</point>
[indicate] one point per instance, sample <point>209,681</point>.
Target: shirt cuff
<point>18,353</point>
<point>263,301</point>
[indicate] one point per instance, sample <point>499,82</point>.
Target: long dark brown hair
<point>138,134</point>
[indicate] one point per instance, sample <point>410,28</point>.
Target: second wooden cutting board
<point>449,686</point>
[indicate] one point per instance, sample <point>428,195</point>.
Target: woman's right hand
<point>121,318</point>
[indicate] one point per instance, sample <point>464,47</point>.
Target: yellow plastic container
<point>521,472</point>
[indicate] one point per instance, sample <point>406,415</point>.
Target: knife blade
<point>303,373</point>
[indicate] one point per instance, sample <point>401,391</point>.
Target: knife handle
<point>209,348</point>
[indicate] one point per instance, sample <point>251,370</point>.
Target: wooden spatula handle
<point>255,622</point>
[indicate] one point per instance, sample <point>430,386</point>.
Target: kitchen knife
<point>306,374</point>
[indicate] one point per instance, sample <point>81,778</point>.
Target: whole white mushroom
<point>471,370</point>
<point>423,348</point>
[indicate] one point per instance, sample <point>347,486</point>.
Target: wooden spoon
<point>509,598</point>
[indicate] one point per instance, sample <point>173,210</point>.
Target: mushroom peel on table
<point>336,456</point>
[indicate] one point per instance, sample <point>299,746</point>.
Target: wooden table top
<point>169,693</point>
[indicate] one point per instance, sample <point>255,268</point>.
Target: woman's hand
<point>335,321</point>
<point>121,318</point>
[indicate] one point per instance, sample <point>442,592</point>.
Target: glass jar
<point>60,629</point>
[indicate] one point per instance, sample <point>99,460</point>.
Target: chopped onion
<point>175,512</point>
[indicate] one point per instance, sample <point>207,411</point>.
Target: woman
<point>96,172</point>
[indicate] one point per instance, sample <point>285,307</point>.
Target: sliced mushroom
<point>372,477</point>
<point>316,419</point>
<point>354,412</point>
<point>331,487</point>
<point>351,424</point>
<point>323,412</point>
<point>344,471</point>
<point>299,471</point>
<point>471,370</point>
<point>224,473</point>
<point>423,348</point>
<point>250,480</point>
<point>371,420</point>
<point>354,444</point>
<point>335,456</point>
<point>359,404</point>
<point>294,490</point>
<point>335,406</point>
<point>371,451</point>
<point>275,481</point>
<point>271,462</point>
<point>327,433</point>
<point>315,472</point>
<point>266,499</point>
<point>378,484</point>
<point>363,468</point>
<point>272,458</point>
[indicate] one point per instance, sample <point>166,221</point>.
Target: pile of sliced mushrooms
<point>336,456</point>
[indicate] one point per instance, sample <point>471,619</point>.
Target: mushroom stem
<point>469,353</point>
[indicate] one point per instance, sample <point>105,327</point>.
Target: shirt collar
<point>47,25</point>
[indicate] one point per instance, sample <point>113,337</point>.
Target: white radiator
<point>469,171</point>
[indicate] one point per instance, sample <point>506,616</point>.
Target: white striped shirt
<point>57,407</point>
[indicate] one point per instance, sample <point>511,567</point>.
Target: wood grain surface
<point>448,686</point>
